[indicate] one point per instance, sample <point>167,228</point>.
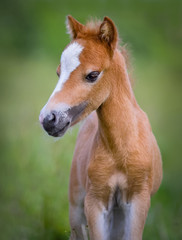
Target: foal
<point>117,163</point>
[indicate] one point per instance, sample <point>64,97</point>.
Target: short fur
<point>117,164</point>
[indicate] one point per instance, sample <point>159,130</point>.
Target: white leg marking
<point>84,232</point>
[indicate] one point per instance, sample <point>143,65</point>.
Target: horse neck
<point>117,115</point>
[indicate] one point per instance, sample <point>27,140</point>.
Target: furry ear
<point>73,26</point>
<point>108,33</point>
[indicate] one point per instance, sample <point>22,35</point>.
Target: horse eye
<point>92,77</point>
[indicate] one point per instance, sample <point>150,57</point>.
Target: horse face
<point>83,83</point>
<point>81,87</point>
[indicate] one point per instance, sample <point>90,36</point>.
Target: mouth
<point>60,132</point>
<point>76,111</point>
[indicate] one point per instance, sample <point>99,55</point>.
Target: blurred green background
<point>34,168</point>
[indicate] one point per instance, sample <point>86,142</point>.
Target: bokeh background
<point>34,168</point>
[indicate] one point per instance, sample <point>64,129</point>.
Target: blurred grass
<point>34,168</point>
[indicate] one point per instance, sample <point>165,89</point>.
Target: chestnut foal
<point>117,163</point>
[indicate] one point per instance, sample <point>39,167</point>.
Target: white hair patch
<point>69,62</point>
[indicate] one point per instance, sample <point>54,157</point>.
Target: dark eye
<point>92,77</point>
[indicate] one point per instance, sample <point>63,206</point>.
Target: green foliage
<point>34,168</point>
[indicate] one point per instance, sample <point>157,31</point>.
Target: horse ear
<point>108,33</point>
<point>73,26</point>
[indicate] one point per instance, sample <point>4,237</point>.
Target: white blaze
<point>69,62</point>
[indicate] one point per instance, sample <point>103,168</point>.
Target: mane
<point>92,26</point>
<point>126,53</point>
<point>91,29</point>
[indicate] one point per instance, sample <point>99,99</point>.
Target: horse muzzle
<point>57,122</point>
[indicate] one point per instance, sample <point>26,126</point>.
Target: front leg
<point>76,211</point>
<point>96,216</point>
<point>136,217</point>
<point>78,223</point>
<point>134,212</point>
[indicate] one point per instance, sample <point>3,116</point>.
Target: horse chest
<point>105,176</point>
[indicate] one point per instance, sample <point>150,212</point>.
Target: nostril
<point>50,121</point>
<point>52,117</point>
<point>68,123</point>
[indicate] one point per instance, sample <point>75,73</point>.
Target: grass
<point>34,168</point>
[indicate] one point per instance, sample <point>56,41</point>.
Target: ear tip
<point>106,18</point>
<point>68,17</point>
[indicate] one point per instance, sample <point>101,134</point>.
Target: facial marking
<point>69,62</point>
